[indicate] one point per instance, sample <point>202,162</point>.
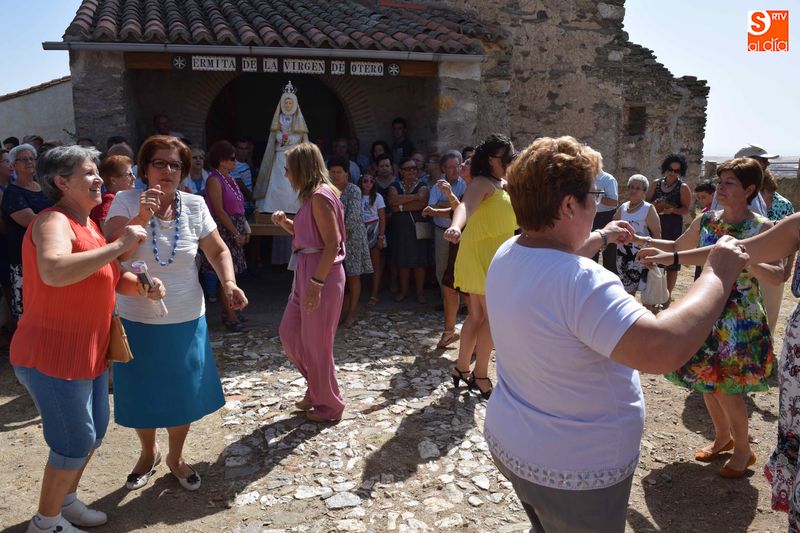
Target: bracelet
<point>675,259</point>
<point>381,236</point>
<point>647,241</point>
<point>604,237</point>
<point>316,281</point>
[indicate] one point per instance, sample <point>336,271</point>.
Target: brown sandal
<point>448,338</point>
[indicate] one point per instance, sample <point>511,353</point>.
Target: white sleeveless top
<point>637,219</point>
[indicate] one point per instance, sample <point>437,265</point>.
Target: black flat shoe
<point>137,481</point>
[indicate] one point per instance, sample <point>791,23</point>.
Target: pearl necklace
<point>177,234</point>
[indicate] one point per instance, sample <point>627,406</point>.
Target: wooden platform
<point>260,224</point>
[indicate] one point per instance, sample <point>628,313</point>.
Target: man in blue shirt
<point>605,214</point>
<point>446,194</point>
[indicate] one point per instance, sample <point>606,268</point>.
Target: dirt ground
<point>265,469</point>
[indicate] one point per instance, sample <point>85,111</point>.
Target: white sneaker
<point>62,526</point>
<point>77,513</point>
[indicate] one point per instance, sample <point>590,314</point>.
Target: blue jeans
<point>74,414</point>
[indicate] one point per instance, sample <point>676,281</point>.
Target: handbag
<point>423,230</point>
<point>655,292</point>
<point>119,351</point>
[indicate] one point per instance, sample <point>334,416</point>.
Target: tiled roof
<point>344,24</point>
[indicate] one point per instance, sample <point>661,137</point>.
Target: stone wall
<point>101,95</point>
<point>45,110</point>
<point>568,68</point>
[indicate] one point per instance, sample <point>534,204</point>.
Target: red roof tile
<point>346,24</point>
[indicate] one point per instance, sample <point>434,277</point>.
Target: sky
<point>753,95</point>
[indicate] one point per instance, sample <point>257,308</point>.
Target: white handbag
<point>655,292</point>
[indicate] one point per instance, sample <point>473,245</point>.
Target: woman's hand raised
<point>132,236</point>
<point>149,201</point>
<point>619,232</point>
<point>279,218</point>
<point>452,234</point>
<point>727,258</point>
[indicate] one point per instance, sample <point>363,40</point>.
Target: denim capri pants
<point>74,414</point>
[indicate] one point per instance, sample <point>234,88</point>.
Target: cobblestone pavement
<point>409,455</point>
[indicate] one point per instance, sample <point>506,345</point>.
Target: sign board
<point>286,65</point>
<point>361,67</point>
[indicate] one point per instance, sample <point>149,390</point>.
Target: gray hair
<point>61,161</point>
<point>448,155</point>
<point>12,154</point>
<point>641,179</point>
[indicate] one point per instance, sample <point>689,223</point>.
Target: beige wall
<point>47,113</point>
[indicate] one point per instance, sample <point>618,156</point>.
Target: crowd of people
<point>511,234</point>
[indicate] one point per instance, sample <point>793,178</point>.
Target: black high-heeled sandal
<point>462,376</point>
<point>472,384</point>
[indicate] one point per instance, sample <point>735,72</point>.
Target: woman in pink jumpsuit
<point>312,313</point>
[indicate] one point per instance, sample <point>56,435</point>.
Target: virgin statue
<point>273,191</point>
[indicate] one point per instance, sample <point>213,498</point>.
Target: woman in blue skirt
<point>172,380</point>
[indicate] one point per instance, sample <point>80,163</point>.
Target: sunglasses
<point>673,171</point>
<point>409,169</point>
<point>173,166</point>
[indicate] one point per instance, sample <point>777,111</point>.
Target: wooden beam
<point>148,61</point>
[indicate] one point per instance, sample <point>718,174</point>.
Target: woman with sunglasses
<point>117,176</point>
<point>172,380</point>
<point>226,202</point>
<point>736,358</point>
<point>672,199</point>
<point>407,198</point>
<point>487,207</point>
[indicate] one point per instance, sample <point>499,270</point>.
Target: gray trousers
<point>572,511</point>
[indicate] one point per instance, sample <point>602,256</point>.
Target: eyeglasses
<point>598,196</point>
<point>25,159</point>
<point>127,175</point>
<point>369,181</point>
<point>673,171</point>
<point>173,166</point>
<point>409,169</point>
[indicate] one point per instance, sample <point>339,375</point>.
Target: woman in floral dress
<point>357,260</point>
<point>737,357</point>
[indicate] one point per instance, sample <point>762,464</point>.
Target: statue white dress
<point>273,191</point>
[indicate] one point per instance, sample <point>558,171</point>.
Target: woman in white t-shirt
<point>375,220</point>
<point>643,217</point>
<point>172,380</point>
<point>566,417</point>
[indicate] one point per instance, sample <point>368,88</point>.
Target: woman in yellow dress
<point>487,207</point>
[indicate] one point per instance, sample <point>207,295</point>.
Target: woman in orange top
<point>59,354</point>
